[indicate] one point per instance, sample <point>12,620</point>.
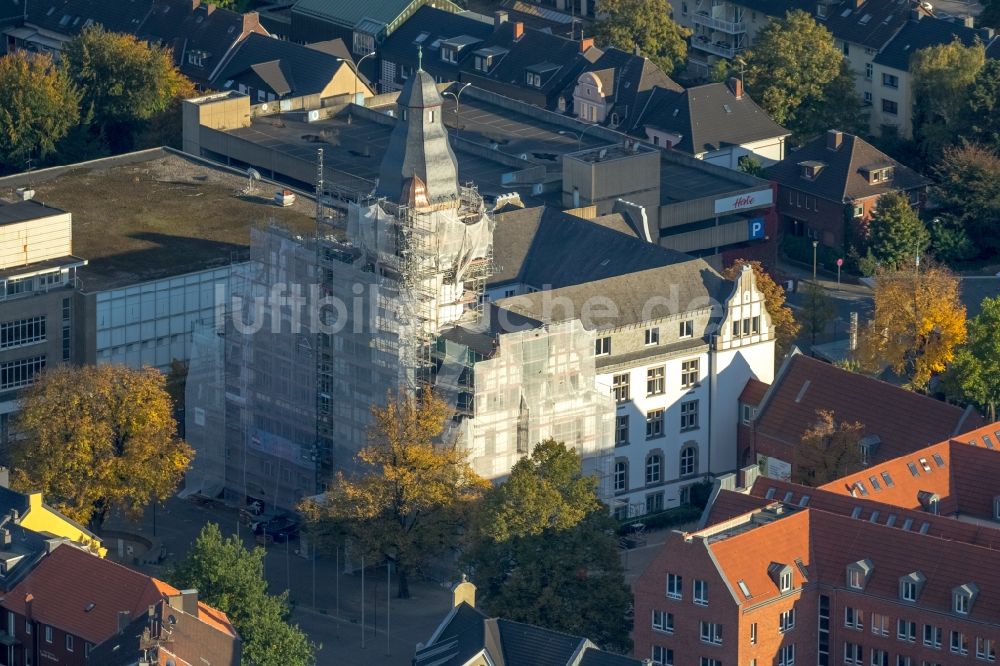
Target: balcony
<point>721,49</point>
<point>722,25</point>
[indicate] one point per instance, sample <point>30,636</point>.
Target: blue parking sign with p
<point>756,229</point>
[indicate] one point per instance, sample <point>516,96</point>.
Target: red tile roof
<point>904,421</point>
<point>754,391</point>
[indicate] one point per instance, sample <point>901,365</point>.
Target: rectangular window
<point>959,643</point>
<point>880,658</point>
<point>890,107</point>
<point>906,631</point>
<point>662,656</point>
<point>675,586</point>
<point>689,415</point>
<point>959,601</point>
<point>711,632</point>
<point>653,336</point>
<point>866,97</point>
<point>654,502</point>
<point>853,654</point>
<point>655,380</point>
<point>48,634</point>
<point>20,373</point>
<point>706,661</point>
<point>853,618</point>
<point>654,426</point>
<point>700,595</point>
<point>620,387</point>
<point>985,649</point>
<point>868,70</point>
<point>27,626</point>
<point>903,660</point>
<point>602,346</point>
<point>890,80</point>
<point>786,621</point>
<point>621,476</point>
<point>753,634</point>
<point>686,328</point>
<point>880,624</point>
<point>69,643</point>
<point>690,372</point>
<point>663,622</point>
<point>621,430</point>
<point>747,414</point>
<point>932,636</point>
<point>786,657</point>
<point>22,332</point>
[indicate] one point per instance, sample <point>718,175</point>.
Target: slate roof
<point>349,13</point>
<point>903,420</point>
<point>842,179</point>
<point>428,27</point>
<point>707,118</point>
<point>921,34</point>
<point>69,17</point>
<point>287,68</point>
<point>466,633</point>
<point>629,80</point>
<point>545,246</point>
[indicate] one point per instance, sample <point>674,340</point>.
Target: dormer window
<point>859,573</point>
<point>962,598</point>
<point>533,80</point>
<point>868,446</point>
<point>910,586</point>
<point>810,169</point>
<point>449,54</point>
<point>996,508</point>
<point>483,63</point>
<point>882,174</point>
<point>781,574</point>
<point>928,500</point>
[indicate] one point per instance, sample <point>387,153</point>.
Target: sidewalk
<point>842,291</point>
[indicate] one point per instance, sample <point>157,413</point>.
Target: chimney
<point>250,21</point>
<point>463,591</point>
<point>189,602</point>
<point>736,86</point>
<point>5,537</point>
<point>123,617</point>
<point>987,34</point>
<point>499,18</point>
<point>968,21</point>
<point>586,44</point>
<point>518,30</point>
<point>4,477</point>
<point>834,138</point>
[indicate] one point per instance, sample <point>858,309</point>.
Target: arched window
<point>621,476</point>
<point>654,463</point>
<point>689,459</point>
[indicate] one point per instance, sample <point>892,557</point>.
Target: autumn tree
<point>918,323</point>
<point>646,25</point>
<point>542,550</point>
<point>817,311</point>
<point>785,326</point>
<point>797,74</point>
<point>411,492</point>
<point>231,578</point>
<point>975,372</point>
<point>968,192</point>
<point>98,438</point>
<point>828,450</point>
<point>124,82</point>
<point>898,235</point>
<point>942,76</point>
<point>40,106</point>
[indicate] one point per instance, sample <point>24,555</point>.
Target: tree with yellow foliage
<point>785,326</point>
<point>828,450</point>
<point>919,321</point>
<point>98,438</point>
<point>411,494</point>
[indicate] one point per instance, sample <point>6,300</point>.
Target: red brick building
<point>828,188</point>
<point>774,418</point>
<point>895,566</point>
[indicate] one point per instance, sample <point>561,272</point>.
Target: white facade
<point>767,151</point>
<point>151,323</point>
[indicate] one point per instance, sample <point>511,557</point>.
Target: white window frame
<point>675,586</point>
<point>699,592</point>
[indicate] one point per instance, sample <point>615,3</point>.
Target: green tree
<point>898,235</point>
<point>797,74</point>
<point>942,76</point>
<point>410,495</point>
<point>785,326</point>
<point>124,82</point>
<point>98,438</point>
<point>968,191</point>
<point>975,372</point>
<point>980,115</point>
<point>645,24</point>
<point>231,578</point>
<point>817,311</point>
<point>990,16</point>
<point>543,550</point>
<point>40,106</point>
<point>751,165</point>
<point>828,450</point>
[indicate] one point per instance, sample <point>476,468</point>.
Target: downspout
<point>712,382</point>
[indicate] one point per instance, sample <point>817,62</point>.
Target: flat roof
<point>22,211</point>
<point>137,219</point>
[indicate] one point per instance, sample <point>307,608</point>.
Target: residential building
<point>835,178</point>
<point>72,601</point>
<point>892,96</point>
<point>715,122</point>
<point>362,24</point>
<point>468,636</point>
<point>39,296</point>
<point>833,574</point>
<point>179,629</point>
<point>199,34</point>
<point>774,418</point>
<point>269,70</point>
<point>30,512</point>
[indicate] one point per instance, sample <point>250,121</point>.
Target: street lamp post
<point>815,245</point>
<point>356,67</point>
<point>579,136</point>
<point>457,96</point>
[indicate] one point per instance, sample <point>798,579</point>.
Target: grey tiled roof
<point>351,12</point>
<point>871,23</point>
<point>917,35</point>
<point>841,179</point>
<point>286,67</point>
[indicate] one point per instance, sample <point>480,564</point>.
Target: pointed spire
<point>420,58</point>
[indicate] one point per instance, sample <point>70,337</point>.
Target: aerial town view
<point>499,332</point>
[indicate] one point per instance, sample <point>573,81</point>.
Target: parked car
<point>281,529</point>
